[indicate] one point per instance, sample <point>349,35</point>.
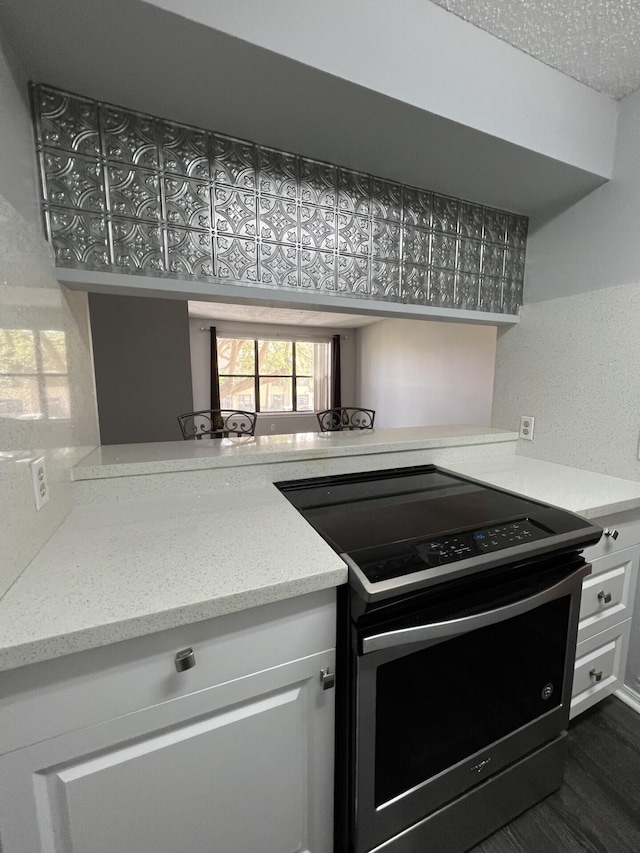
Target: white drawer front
<point>599,669</point>
<point>607,593</point>
<point>625,524</point>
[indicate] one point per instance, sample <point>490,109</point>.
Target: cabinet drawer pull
<point>605,597</point>
<point>185,659</point>
<point>596,674</point>
<point>327,678</point>
<point>612,532</point>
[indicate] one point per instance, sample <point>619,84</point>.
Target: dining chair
<point>345,417</point>
<point>217,423</point>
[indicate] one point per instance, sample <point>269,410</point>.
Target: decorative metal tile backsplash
<point>127,192</point>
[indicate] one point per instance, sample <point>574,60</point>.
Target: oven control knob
<point>612,532</point>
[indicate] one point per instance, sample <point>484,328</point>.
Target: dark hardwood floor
<point>597,810</point>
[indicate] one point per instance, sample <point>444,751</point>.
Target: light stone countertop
<point>583,492</point>
<point>124,460</point>
<point>121,569</point>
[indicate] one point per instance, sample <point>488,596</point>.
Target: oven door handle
<point>453,627</point>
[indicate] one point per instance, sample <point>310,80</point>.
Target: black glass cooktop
<point>405,520</point>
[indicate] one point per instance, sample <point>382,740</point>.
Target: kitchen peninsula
<point>186,551</point>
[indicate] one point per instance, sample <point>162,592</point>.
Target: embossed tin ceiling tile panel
<point>236,258</point>
<point>234,162</point>
<point>442,286</point>
<point>490,294</point>
<point>186,202</point>
<point>190,252</point>
<point>354,192</point>
<point>132,192</point>
<point>137,246</point>
<point>385,280</point>
<point>495,225</point>
<point>415,283</point>
<point>445,214</point>
<point>471,220</point>
<point>65,121</point>
<point>73,181</point>
<point>317,227</point>
<point>234,211</point>
<point>517,234</point>
<point>318,269</point>
<point>467,294</point>
<point>443,251</point>
<point>185,151</point>
<point>353,275</point>
<point>354,234</point>
<point>129,137</point>
<point>492,259</point>
<point>79,239</point>
<point>318,183</point>
<point>278,219</point>
<point>416,245</point>
<point>418,207</point>
<point>277,173</point>
<point>514,264</point>
<point>511,296</point>
<point>469,255</point>
<point>386,200</point>
<point>385,239</point>
<point>278,264</point>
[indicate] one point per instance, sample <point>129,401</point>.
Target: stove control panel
<point>459,546</point>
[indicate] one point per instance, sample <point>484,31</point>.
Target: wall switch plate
<point>526,427</point>
<point>40,482</point>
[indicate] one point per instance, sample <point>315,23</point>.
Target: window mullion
<point>256,374</point>
<point>294,379</point>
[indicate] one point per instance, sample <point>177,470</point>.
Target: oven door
<point>450,694</point>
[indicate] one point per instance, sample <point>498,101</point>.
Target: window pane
<point>53,349</point>
<point>56,391</point>
<point>236,356</point>
<point>19,397</point>
<point>276,394</point>
<point>17,351</point>
<point>304,394</point>
<point>237,392</point>
<point>275,358</point>
<point>304,357</point>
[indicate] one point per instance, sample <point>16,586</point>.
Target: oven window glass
<point>443,704</point>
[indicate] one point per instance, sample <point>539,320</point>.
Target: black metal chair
<point>345,417</point>
<point>217,423</point>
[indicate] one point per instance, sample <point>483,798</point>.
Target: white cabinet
<point>605,612</point>
<point>243,764</point>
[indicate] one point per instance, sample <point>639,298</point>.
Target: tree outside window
<point>273,375</point>
<point>34,382</point>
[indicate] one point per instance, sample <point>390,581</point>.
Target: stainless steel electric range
<point>457,636</point>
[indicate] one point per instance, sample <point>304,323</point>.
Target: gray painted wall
<point>572,362</point>
<point>142,367</point>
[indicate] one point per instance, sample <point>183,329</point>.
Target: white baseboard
<point>629,697</point>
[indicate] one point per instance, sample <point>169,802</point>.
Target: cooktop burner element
<point>405,528</point>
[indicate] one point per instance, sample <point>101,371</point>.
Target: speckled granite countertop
<point>583,492</point>
<point>126,569</point>
<point>120,569</point>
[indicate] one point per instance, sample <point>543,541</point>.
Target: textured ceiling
<point>278,316</point>
<point>595,41</point>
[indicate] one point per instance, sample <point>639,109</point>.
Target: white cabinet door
<point>244,767</point>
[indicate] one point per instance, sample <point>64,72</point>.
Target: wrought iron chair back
<point>345,417</point>
<point>217,423</point>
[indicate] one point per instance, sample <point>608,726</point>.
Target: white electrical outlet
<point>526,427</point>
<point>40,482</point>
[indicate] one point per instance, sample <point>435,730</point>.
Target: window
<point>33,374</point>
<point>273,375</point>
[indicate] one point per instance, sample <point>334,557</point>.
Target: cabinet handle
<point>185,659</point>
<point>596,674</point>
<point>612,532</point>
<point>605,597</point>
<point>327,679</point>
